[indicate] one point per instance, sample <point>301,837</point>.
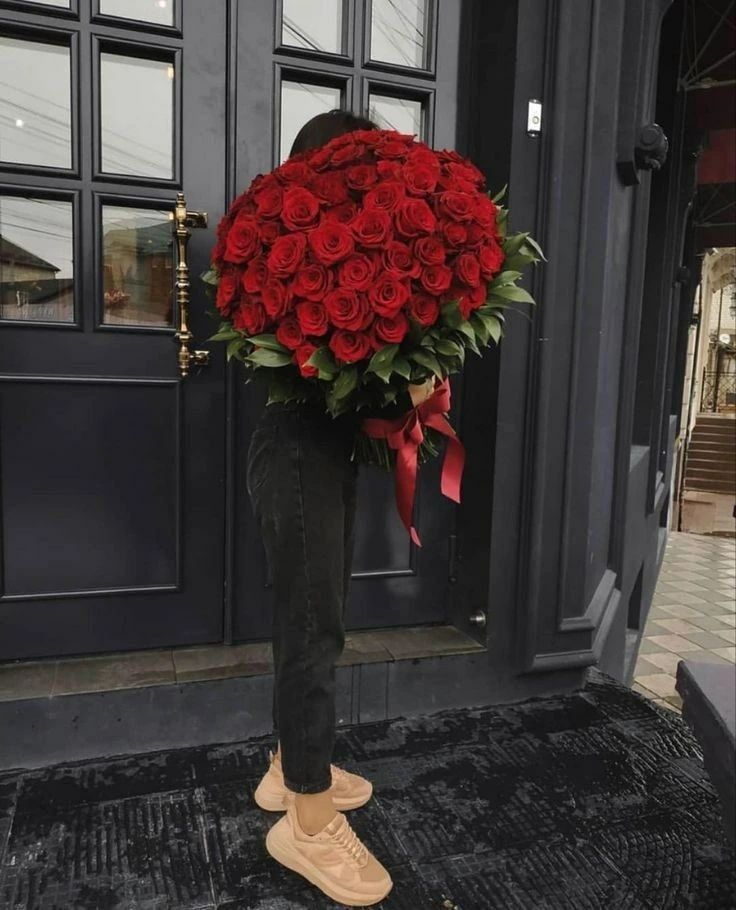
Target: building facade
<point>126,524</point>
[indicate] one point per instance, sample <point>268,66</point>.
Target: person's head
<point>323,127</point>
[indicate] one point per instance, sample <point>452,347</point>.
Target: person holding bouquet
<point>354,276</point>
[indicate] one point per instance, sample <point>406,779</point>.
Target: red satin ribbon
<point>404,434</point>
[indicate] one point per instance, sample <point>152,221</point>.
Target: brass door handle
<point>184,221</point>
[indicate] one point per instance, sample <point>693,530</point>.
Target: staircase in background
<point>711,456</point>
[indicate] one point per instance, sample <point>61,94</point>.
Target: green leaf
<point>448,347</point>
<point>234,347</point>
<point>480,328</point>
<point>425,359</point>
<point>500,193</point>
<point>382,359</point>
<point>466,335</point>
<point>211,276</point>
<point>511,292</point>
<point>508,276</point>
<point>518,260</point>
<point>269,342</point>
<point>401,366</point>
<point>536,247</point>
<point>451,314</point>
<point>262,357</point>
<point>346,381</point>
<point>494,327</point>
<point>323,361</point>
<point>512,244</point>
<point>226,335</point>
<point>501,221</point>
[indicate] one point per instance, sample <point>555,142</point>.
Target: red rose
<point>368,137</point>
<point>386,195</point>
<point>389,170</point>
<point>471,300</point>
<point>300,208</point>
<point>312,282</point>
<point>485,210</point>
<point>414,217</point>
<point>349,346</point>
<point>399,261</point>
<point>357,272</point>
<point>436,278</point>
<point>421,172</point>
<point>243,240</point>
<point>465,170</point>
<point>320,159</point>
<point>268,201</point>
<point>348,151</point>
<point>227,290</point>
<point>331,242</point>
<point>294,172</point>
<point>329,187</point>
<point>429,251</point>
<point>388,294</point>
<point>286,255</point>
<point>269,231</point>
<point>371,227</point>
<point>250,317</point>
<point>467,269</point>
<point>254,277</point>
<point>423,309</point>
<point>393,146</point>
<point>454,233</point>
<point>491,259</point>
<point>289,333</point>
<point>347,309</point>
<point>276,298</point>
<point>361,176</point>
<point>391,329</point>
<point>301,355</point>
<point>457,206</point>
<point>476,235</point>
<point>344,213</point>
<point>312,317</point>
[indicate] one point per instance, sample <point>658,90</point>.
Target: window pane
<point>399,32</point>
<point>35,103</point>
<point>36,259</point>
<point>402,114</point>
<point>299,103</point>
<point>62,3</point>
<point>137,98</point>
<point>159,11</point>
<point>313,24</point>
<point>137,266</point>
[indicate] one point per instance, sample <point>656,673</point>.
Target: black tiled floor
<point>594,800</point>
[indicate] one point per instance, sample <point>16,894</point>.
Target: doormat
<point>596,799</point>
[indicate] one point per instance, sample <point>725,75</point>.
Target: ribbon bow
<point>404,434</point>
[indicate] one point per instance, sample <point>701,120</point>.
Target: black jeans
<point>302,486</point>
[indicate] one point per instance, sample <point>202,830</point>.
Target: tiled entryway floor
<point>693,613</point>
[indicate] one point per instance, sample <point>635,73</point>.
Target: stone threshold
<point>160,667</point>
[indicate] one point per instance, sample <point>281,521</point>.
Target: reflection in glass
<point>313,24</point>
<point>402,114</point>
<point>399,32</point>
<point>36,259</point>
<point>137,266</point>
<point>63,3</point>
<point>35,103</point>
<point>137,97</point>
<point>299,103</point>
<point>158,11</point>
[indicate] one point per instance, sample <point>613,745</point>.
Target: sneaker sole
<point>270,803</point>
<point>283,853</point>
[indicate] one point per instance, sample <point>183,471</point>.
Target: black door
<point>399,63</point>
<point>111,463</point>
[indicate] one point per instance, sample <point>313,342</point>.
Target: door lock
<point>478,619</point>
<point>184,221</point>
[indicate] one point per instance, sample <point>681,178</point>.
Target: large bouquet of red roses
<point>356,268</point>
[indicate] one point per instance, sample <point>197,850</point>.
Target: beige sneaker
<point>348,791</point>
<point>334,859</point>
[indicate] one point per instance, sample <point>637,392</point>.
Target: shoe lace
<point>350,842</point>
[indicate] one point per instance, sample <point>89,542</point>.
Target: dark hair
<point>323,127</point>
